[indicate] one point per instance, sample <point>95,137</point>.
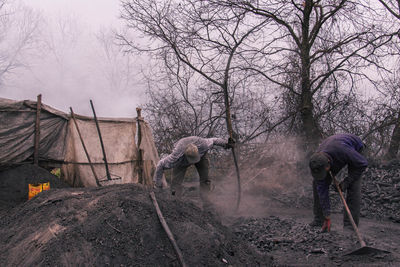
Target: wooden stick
<point>37,130</point>
<point>362,243</point>
<point>101,142</point>
<point>167,230</point>
<point>230,132</point>
<point>84,148</point>
<point>139,142</point>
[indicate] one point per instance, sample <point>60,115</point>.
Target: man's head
<point>319,165</point>
<point>192,154</point>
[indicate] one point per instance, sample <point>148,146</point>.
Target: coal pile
<point>381,192</point>
<point>293,243</point>
<point>274,233</point>
<point>117,226</point>
<point>14,183</point>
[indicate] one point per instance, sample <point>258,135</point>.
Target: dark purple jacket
<point>343,149</point>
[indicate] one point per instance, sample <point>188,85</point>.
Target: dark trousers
<point>353,199</point>
<point>178,174</point>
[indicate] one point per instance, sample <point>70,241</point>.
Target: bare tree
<point>392,89</point>
<point>116,65</point>
<point>208,40</point>
<point>323,45</point>
<point>19,36</point>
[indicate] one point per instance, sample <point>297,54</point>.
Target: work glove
<point>230,144</point>
<point>326,227</point>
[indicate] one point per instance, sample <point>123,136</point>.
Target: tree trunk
<point>310,129</point>
<point>394,141</point>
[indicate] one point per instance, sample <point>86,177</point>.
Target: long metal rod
<point>37,130</point>
<point>101,142</point>
<point>84,148</point>
<point>362,243</point>
<point>167,230</point>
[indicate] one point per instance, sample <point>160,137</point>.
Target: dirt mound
<point>14,183</point>
<point>117,226</point>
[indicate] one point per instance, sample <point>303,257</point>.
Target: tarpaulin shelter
<point>59,143</point>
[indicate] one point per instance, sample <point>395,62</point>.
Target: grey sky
<point>77,68</point>
<point>95,13</point>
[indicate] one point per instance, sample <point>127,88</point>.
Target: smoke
<point>272,173</point>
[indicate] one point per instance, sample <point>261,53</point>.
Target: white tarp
<point>60,142</point>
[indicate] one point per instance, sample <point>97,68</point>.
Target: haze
<point>74,58</point>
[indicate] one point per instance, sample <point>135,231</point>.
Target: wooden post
<point>37,130</point>
<point>139,120</point>
<point>141,179</point>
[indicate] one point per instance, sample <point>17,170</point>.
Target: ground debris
<point>292,243</point>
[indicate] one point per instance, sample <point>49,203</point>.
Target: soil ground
<point>280,229</point>
<point>118,226</point>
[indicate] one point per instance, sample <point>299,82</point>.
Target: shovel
<point>364,249</point>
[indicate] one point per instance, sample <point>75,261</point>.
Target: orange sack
<point>46,186</point>
<point>34,189</point>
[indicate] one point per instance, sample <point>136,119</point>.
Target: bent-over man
<point>188,151</point>
<point>333,154</point>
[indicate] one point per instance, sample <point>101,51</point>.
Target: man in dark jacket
<point>333,154</point>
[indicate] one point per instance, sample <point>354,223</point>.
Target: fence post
<point>141,179</point>
<point>37,130</point>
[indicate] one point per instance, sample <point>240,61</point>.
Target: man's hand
<point>326,227</point>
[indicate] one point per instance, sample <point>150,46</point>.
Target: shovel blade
<point>366,251</point>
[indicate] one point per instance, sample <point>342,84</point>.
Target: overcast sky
<point>95,13</point>
<point>78,72</point>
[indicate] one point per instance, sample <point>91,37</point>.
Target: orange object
<point>34,189</point>
<point>46,186</point>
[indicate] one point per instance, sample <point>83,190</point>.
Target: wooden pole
<point>141,179</point>
<point>84,148</point>
<point>230,132</point>
<point>37,131</point>
<point>362,243</point>
<point>139,120</point>
<point>167,230</point>
<point>101,142</point>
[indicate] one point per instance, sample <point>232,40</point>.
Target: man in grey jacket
<point>188,151</point>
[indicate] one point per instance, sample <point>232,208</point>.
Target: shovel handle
<point>362,243</point>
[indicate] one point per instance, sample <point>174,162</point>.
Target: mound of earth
<point>117,226</point>
<point>14,183</point>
